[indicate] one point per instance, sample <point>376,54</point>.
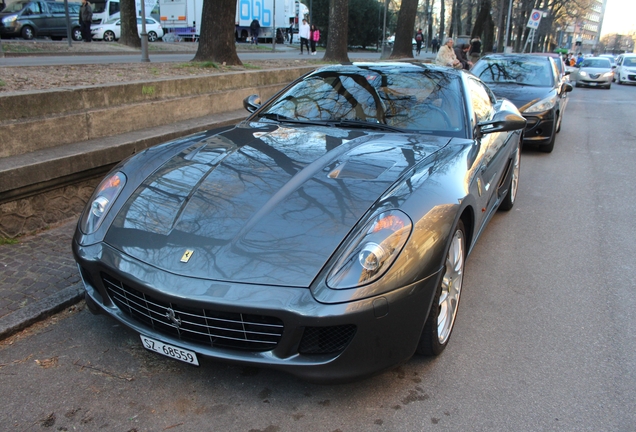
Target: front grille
<point>595,76</point>
<point>196,325</point>
<point>326,340</point>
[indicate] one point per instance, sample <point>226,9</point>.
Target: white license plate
<point>171,351</point>
<point>592,84</point>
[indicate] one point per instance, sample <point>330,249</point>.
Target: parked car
<point>533,85</point>
<point>332,223</point>
<point>625,71</point>
<point>111,30</point>
<point>594,72</point>
<point>29,19</point>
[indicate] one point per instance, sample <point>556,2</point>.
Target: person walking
<point>434,45</point>
<point>85,19</point>
<point>446,56</point>
<point>255,29</point>
<point>419,37</point>
<point>303,32</point>
<point>314,37</point>
<point>291,33</point>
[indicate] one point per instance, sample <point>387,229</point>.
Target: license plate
<point>592,84</point>
<point>168,350</point>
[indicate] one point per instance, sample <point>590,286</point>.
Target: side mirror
<point>252,103</point>
<point>567,87</point>
<point>613,66</point>
<point>568,72</point>
<point>503,121</point>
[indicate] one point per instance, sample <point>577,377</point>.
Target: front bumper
<point>315,341</point>
<point>11,30</point>
<point>539,127</point>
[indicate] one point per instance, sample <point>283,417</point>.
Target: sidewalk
<point>38,277</point>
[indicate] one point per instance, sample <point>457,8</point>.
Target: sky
<point>620,17</point>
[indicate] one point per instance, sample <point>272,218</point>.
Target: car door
<point>492,146</point>
<point>35,17</point>
<point>56,19</point>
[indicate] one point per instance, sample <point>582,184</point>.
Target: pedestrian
<point>303,32</point>
<point>446,56</point>
<point>579,59</point>
<point>475,49</point>
<point>255,28</point>
<point>85,19</point>
<point>314,36</point>
<point>2,5</point>
<point>434,45</point>
<point>291,33</point>
<point>461,52</point>
<point>419,37</point>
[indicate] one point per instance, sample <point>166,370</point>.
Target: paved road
<point>545,338</point>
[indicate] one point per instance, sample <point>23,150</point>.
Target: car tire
<point>618,80</point>
<point>441,317</point>
<point>577,84</point>
<point>509,200</point>
<point>109,36</point>
<point>76,34</point>
<point>547,148</point>
<point>152,36</point>
<point>27,33</point>
<point>607,87</point>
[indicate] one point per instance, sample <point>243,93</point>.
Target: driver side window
<point>482,100</point>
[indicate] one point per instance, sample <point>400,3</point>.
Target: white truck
<point>183,17</point>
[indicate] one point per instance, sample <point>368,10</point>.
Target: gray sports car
<point>326,235</point>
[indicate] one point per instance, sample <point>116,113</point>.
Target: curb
<point>23,318</point>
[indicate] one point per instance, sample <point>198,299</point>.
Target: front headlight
<point>608,74</point>
<point>543,105</point>
<point>101,201</point>
<point>583,73</point>
<point>9,19</point>
<point>369,255</point>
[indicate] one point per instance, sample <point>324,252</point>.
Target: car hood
<point>520,95</point>
<point>593,70</point>
<point>261,203</point>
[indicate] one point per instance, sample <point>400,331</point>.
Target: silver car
<point>626,69</point>
<point>594,72</point>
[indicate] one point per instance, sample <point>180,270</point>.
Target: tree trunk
<point>338,31</point>
<point>216,41</point>
<point>129,34</point>
<point>403,45</point>
<point>442,15</point>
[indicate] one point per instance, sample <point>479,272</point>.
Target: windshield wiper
<point>365,125</point>
<point>284,119</point>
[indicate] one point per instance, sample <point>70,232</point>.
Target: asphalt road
<point>545,339</point>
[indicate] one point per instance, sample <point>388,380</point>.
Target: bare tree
<point>338,31</point>
<point>129,34</point>
<point>403,45</point>
<point>216,41</point>
<point>442,19</point>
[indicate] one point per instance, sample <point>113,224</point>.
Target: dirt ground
<point>26,78</point>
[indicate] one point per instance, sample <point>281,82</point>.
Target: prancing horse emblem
<point>172,317</point>
<point>187,255</point>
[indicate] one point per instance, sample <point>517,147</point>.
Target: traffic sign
<point>535,19</point>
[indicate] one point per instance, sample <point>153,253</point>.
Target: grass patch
<point>250,66</point>
<point>147,90</point>
<point>2,83</point>
<point>8,241</point>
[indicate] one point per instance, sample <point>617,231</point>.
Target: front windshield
<point>15,7</point>
<point>532,72</point>
<point>629,61</point>
<point>404,98</point>
<point>98,7</point>
<point>596,63</point>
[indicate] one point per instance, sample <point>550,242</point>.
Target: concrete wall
<point>57,144</point>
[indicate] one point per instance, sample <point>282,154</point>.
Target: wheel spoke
<point>451,287</point>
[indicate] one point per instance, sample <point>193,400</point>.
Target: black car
<point>533,84</point>
<point>326,235</point>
